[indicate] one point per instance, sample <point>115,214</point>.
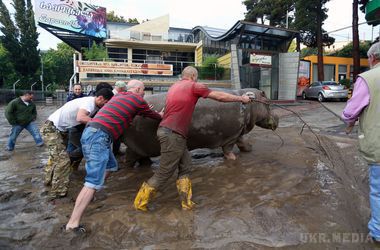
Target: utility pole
<point>355,39</point>
<point>321,74</point>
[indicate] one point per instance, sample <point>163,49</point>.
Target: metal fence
<point>7,95</point>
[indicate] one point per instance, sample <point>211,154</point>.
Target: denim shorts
<point>97,150</point>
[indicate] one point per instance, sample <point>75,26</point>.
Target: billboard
<point>100,67</point>
<point>80,17</point>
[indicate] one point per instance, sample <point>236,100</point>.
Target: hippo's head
<point>260,112</point>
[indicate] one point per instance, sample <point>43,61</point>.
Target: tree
<point>7,73</point>
<point>308,52</point>
<point>58,64</point>
<point>309,18</point>
<point>112,17</point>
<point>20,39</point>
<point>96,52</point>
<point>347,50</point>
<point>276,11</point>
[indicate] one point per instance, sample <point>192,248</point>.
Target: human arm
<point>146,111</point>
<point>10,111</point>
<point>226,97</point>
<point>83,116</point>
<point>359,101</point>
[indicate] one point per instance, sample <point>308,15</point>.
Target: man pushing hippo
<point>172,135</point>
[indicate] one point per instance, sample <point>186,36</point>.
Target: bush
<point>210,70</point>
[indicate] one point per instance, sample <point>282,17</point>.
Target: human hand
<point>151,106</point>
<point>245,99</point>
<point>161,113</point>
<point>349,128</point>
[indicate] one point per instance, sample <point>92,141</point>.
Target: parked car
<point>323,90</point>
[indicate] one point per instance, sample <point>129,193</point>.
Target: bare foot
<point>230,156</point>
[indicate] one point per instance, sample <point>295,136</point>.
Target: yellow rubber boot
<point>185,193</point>
<point>143,197</point>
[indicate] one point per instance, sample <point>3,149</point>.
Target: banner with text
<point>260,60</point>
<point>99,67</point>
<point>80,17</point>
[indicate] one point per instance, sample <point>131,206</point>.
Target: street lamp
<point>14,86</point>
<point>42,77</point>
<point>31,86</point>
<point>47,86</point>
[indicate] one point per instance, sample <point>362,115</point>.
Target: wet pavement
<point>293,191</point>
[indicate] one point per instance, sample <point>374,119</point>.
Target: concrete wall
<point>288,75</point>
<point>157,26</point>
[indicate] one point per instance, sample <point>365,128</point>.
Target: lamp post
<point>42,77</point>
<point>47,86</point>
<point>14,86</point>
<point>31,86</point>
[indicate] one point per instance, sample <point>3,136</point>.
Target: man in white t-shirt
<point>73,113</point>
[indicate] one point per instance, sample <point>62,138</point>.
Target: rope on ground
<point>299,117</point>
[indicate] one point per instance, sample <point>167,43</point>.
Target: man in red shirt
<point>172,134</point>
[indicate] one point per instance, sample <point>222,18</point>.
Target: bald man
<point>107,126</point>
<point>172,134</point>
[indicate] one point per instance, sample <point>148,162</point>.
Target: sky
<point>214,13</point>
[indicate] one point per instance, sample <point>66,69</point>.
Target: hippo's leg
<point>131,158</point>
<point>243,145</point>
<point>227,150</point>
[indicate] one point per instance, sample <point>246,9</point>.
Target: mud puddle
<point>286,193</point>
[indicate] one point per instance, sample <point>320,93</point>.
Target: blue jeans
<point>16,130</point>
<point>374,200</point>
<point>97,150</point>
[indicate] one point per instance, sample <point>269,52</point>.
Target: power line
<point>347,27</point>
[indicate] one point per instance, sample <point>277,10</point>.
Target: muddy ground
<point>290,192</point>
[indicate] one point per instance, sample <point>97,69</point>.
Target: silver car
<point>323,90</point>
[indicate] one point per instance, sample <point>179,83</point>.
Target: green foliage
<point>346,51</point>
<point>308,52</point>
<point>210,69</point>
<point>97,52</point>
<point>363,3</point>
<point>20,39</point>
<point>293,46</point>
<point>7,72</point>
<point>112,17</point>
<point>305,21</point>
<point>273,10</point>
<point>346,82</point>
<point>58,65</point>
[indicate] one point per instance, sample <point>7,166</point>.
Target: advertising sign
<point>80,17</point>
<point>260,60</point>
<point>99,67</point>
<point>303,76</point>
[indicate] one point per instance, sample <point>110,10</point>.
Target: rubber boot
<point>143,197</point>
<point>185,193</point>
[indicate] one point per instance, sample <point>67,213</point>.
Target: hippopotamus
<point>214,124</point>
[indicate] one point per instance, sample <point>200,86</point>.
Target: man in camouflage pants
<point>55,141</point>
<point>54,132</point>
